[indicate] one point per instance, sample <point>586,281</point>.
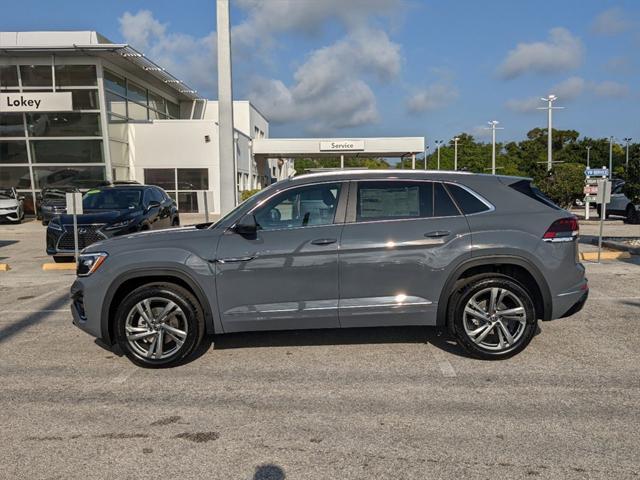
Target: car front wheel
<point>493,316</point>
<point>159,325</point>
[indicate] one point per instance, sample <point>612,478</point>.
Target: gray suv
<point>482,256</point>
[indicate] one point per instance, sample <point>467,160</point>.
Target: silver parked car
<point>482,256</point>
<point>621,205</point>
<point>11,205</point>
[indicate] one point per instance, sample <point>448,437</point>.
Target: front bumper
<point>86,303</point>
<point>11,215</point>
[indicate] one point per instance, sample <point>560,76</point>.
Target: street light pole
<point>550,108</point>
<point>438,145</point>
<point>493,126</point>
<point>626,162</point>
<point>586,203</point>
<point>426,148</point>
<point>455,153</point>
<point>610,157</point>
<point>588,150</point>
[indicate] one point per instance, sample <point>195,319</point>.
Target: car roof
<point>366,174</point>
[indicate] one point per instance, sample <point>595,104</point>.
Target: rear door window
<point>393,200</point>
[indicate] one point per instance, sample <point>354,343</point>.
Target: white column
<point>228,190</point>
<point>413,161</point>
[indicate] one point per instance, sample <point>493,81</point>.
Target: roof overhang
<point>333,147</point>
<point>117,52</point>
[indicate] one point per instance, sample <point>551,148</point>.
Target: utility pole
<point>588,151</point>
<point>586,203</point>
<point>228,176</point>
<point>455,153</point>
<point>438,145</point>
<point>610,157</point>
<point>626,162</point>
<point>493,127</point>
<point>426,148</point>
<point>550,108</point>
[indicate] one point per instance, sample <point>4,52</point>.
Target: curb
<point>58,266</point>
<point>4,267</point>
<point>620,246</point>
<point>604,255</point>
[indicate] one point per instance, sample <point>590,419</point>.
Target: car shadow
<point>340,336</point>
<point>6,243</point>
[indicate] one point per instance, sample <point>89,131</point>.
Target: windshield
<point>55,194</point>
<point>117,199</point>
<point>6,194</point>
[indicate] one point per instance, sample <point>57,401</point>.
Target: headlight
<point>54,225</point>
<point>118,225</point>
<point>89,263</point>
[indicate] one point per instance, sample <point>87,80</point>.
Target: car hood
<point>200,242</point>
<point>100,216</point>
<point>8,203</point>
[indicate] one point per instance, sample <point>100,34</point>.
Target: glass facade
<point>128,101</point>
<point>53,148</point>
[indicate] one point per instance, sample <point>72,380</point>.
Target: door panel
<point>392,271</point>
<point>285,276</point>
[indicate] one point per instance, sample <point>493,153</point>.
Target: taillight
<point>563,230</point>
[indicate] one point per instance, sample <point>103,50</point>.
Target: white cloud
<point>611,22</point>
<point>328,89</point>
<point>140,28</point>
<point>433,97</point>
<point>191,59</point>
<point>620,64</point>
<point>561,52</point>
<point>569,90</point>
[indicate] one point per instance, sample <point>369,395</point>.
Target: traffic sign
<point>596,172</point>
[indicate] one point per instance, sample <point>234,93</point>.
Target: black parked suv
<point>52,201</point>
<point>111,211</point>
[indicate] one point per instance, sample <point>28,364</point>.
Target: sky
<point>353,68</point>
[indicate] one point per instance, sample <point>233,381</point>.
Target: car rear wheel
<point>159,325</point>
<point>493,316</point>
<point>632,215</point>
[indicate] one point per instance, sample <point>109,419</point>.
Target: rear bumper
<point>572,301</point>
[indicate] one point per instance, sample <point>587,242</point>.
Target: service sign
<point>596,172</point>
<point>342,145</point>
<point>36,102</point>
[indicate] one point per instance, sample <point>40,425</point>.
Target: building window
<point>66,151</point>
<point>17,177</point>
<point>81,177</point>
<point>11,125</point>
<point>181,184</point>
<point>8,76</point>
<point>13,151</point>
<point>36,76</point>
<point>63,124</point>
<point>115,83</point>
<point>76,75</point>
<point>84,99</point>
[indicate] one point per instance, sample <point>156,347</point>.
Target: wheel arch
<point>518,268</point>
<point>133,279</point>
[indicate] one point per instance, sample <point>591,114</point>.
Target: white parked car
<point>11,205</point>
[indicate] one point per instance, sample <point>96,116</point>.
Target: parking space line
<point>446,368</point>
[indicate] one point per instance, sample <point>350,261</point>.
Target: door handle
<point>324,241</point>
<point>437,234</point>
<point>236,259</point>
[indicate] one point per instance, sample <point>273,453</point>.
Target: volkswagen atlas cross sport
<point>108,212</point>
<point>483,256</point>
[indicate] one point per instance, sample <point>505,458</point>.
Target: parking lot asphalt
<point>369,403</point>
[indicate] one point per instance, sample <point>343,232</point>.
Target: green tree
<point>564,183</point>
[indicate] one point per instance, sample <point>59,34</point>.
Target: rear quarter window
<point>467,201</point>
<point>530,190</point>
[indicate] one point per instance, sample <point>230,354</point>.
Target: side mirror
<point>152,204</point>
<point>247,225</point>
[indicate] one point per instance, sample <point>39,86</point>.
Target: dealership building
<point>77,110</point>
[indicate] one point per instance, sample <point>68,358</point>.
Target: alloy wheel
<point>495,319</point>
<point>156,328</point>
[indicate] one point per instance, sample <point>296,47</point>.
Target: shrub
<point>248,193</point>
<point>564,184</point>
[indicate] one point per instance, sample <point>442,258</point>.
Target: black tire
<point>631,215</point>
<point>176,222</point>
<point>62,259</point>
<point>466,290</point>
<point>45,223</point>
<point>599,210</point>
<point>193,315</point>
